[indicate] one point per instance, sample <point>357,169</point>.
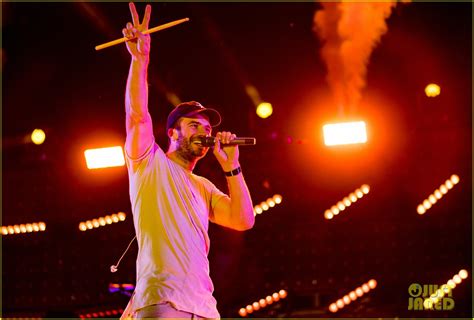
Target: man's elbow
<point>246,224</point>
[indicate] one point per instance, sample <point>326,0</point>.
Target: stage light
<point>346,201</point>
<point>256,306</point>
<point>352,296</point>
<point>428,304</point>
<point>340,206</point>
<point>38,136</point>
<point>102,221</point>
<point>432,199</point>
<point>101,313</point>
<point>437,194</point>
<point>258,209</point>
<point>344,133</point>
<point>420,209</point>
<point>449,184</point>
<point>277,198</point>
<point>104,157</point>
<point>454,179</point>
<point>451,284</point>
<point>463,274</point>
<point>242,312</point>
<point>353,197</point>
<point>372,283</point>
<point>23,228</point>
<point>264,110</point>
<point>443,189</point>
<point>266,205</point>
<point>249,309</point>
<point>270,202</point>
<point>328,214</point>
<point>262,303</point>
<point>432,90</point>
<point>365,188</point>
<point>426,204</point>
<point>445,289</point>
<point>457,279</point>
<point>365,288</point>
<point>276,297</point>
<point>121,216</point>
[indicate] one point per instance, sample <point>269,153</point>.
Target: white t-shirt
<point>171,209</point>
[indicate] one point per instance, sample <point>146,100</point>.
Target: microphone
<point>239,141</point>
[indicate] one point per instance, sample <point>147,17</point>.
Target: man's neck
<point>185,163</point>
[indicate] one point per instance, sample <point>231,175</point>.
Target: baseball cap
<point>190,109</point>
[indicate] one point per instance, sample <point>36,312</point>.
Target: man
<point>172,206</point>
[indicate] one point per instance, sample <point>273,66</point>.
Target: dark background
<point>54,79</point>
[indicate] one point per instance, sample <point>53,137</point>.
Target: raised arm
<point>235,212</point>
<point>138,120</point>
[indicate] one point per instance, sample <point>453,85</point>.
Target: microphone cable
<point>114,267</point>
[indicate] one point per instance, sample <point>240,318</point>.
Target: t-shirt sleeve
<point>135,164</point>
<point>215,195</point>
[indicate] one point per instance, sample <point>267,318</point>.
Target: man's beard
<point>187,151</point>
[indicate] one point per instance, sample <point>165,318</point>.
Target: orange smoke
<point>350,31</point>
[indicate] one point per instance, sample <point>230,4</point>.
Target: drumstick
<point>155,29</point>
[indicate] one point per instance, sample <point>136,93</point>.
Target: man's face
<point>189,147</point>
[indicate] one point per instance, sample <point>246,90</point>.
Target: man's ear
<point>173,134</point>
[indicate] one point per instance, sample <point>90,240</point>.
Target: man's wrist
<point>233,172</point>
<point>141,60</point>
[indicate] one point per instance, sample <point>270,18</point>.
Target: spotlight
<point>264,110</point>
<point>104,157</point>
<point>432,90</point>
<point>38,136</point>
<point>344,133</point>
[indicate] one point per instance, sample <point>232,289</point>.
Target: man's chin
<point>198,150</point>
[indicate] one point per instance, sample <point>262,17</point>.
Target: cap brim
<point>213,115</point>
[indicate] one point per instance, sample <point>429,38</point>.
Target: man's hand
<point>139,47</point>
<point>227,156</point>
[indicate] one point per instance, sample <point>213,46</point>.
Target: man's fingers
<point>134,13</point>
<point>225,137</point>
<point>146,18</point>
<point>125,33</point>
